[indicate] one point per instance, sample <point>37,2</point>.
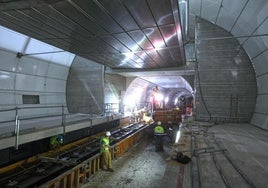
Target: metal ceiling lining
<point>141,34</point>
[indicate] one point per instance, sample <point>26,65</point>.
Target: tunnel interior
<point>144,93</point>
<point>77,68</point>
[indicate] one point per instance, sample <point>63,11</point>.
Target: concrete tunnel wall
<point>226,83</point>
<point>31,76</point>
<point>49,80</point>
<point>89,88</point>
<point>85,89</point>
<point>247,21</point>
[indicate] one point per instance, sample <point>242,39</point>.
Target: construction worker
<point>56,141</point>
<point>105,151</point>
<point>159,129</point>
<point>159,133</point>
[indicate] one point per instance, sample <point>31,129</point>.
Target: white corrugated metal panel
<point>53,98</point>
<point>33,67</point>
<point>7,80</point>
<point>8,61</point>
<point>7,98</point>
<point>30,83</point>
<point>54,85</point>
<point>57,71</point>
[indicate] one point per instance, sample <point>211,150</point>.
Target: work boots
<point>110,170</point>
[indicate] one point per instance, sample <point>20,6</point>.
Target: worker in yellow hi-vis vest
<point>159,134</point>
<point>105,152</point>
<point>56,141</point>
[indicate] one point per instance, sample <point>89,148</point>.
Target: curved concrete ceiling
<point>118,34</point>
<point>246,20</point>
<point>135,37</point>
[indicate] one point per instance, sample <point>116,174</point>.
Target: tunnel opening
<point>145,97</point>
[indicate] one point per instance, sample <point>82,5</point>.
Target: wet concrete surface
<point>223,155</point>
<point>141,166</point>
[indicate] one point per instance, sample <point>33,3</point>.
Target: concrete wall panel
<point>8,61</point>
<point>55,85</point>
<point>30,83</point>
<point>114,86</point>
<point>260,64</point>
<point>84,91</point>
<point>7,80</point>
<point>261,104</point>
<point>8,99</point>
<point>254,46</point>
<point>53,98</point>
<point>229,11</point>
<point>260,120</point>
<point>57,71</point>
<point>226,83</point>
<point>211,13</point>
<point>30,66</point>
<point>30,76</point>
<point>262,84</point>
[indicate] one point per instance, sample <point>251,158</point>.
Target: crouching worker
<point>56,141</point>
<point>159,134</point>
<point>106,158</point>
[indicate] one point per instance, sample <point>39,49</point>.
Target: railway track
<point>71,168</point>
<point>209,156</point>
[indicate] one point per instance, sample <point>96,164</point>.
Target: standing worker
<point>159,134</point>
<point>159,128</point>
<point>105,151</point>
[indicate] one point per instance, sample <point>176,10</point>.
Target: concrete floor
<point>224,155</point>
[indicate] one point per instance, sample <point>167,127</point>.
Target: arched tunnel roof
<point>149,39</point>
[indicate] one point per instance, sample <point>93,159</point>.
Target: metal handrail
<point>16,109</point>
<point>17,118</point>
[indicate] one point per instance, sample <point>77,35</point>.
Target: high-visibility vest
<point>104,144</point>
<point>159,129</point>
<point>53,140</point>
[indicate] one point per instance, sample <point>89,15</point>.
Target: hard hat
<point>159,123</point>
<point>60,138</point>
<point>108,133</point>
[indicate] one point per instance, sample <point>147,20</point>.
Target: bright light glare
<point>158,97</point>
<point>158,44</point>
<point>130,101</point>
<point>166,100</point>
<point>176,100</point>
<point>178,135</point>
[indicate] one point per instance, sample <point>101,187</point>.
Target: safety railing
<point>14,116</point>
<point>27,116</point>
